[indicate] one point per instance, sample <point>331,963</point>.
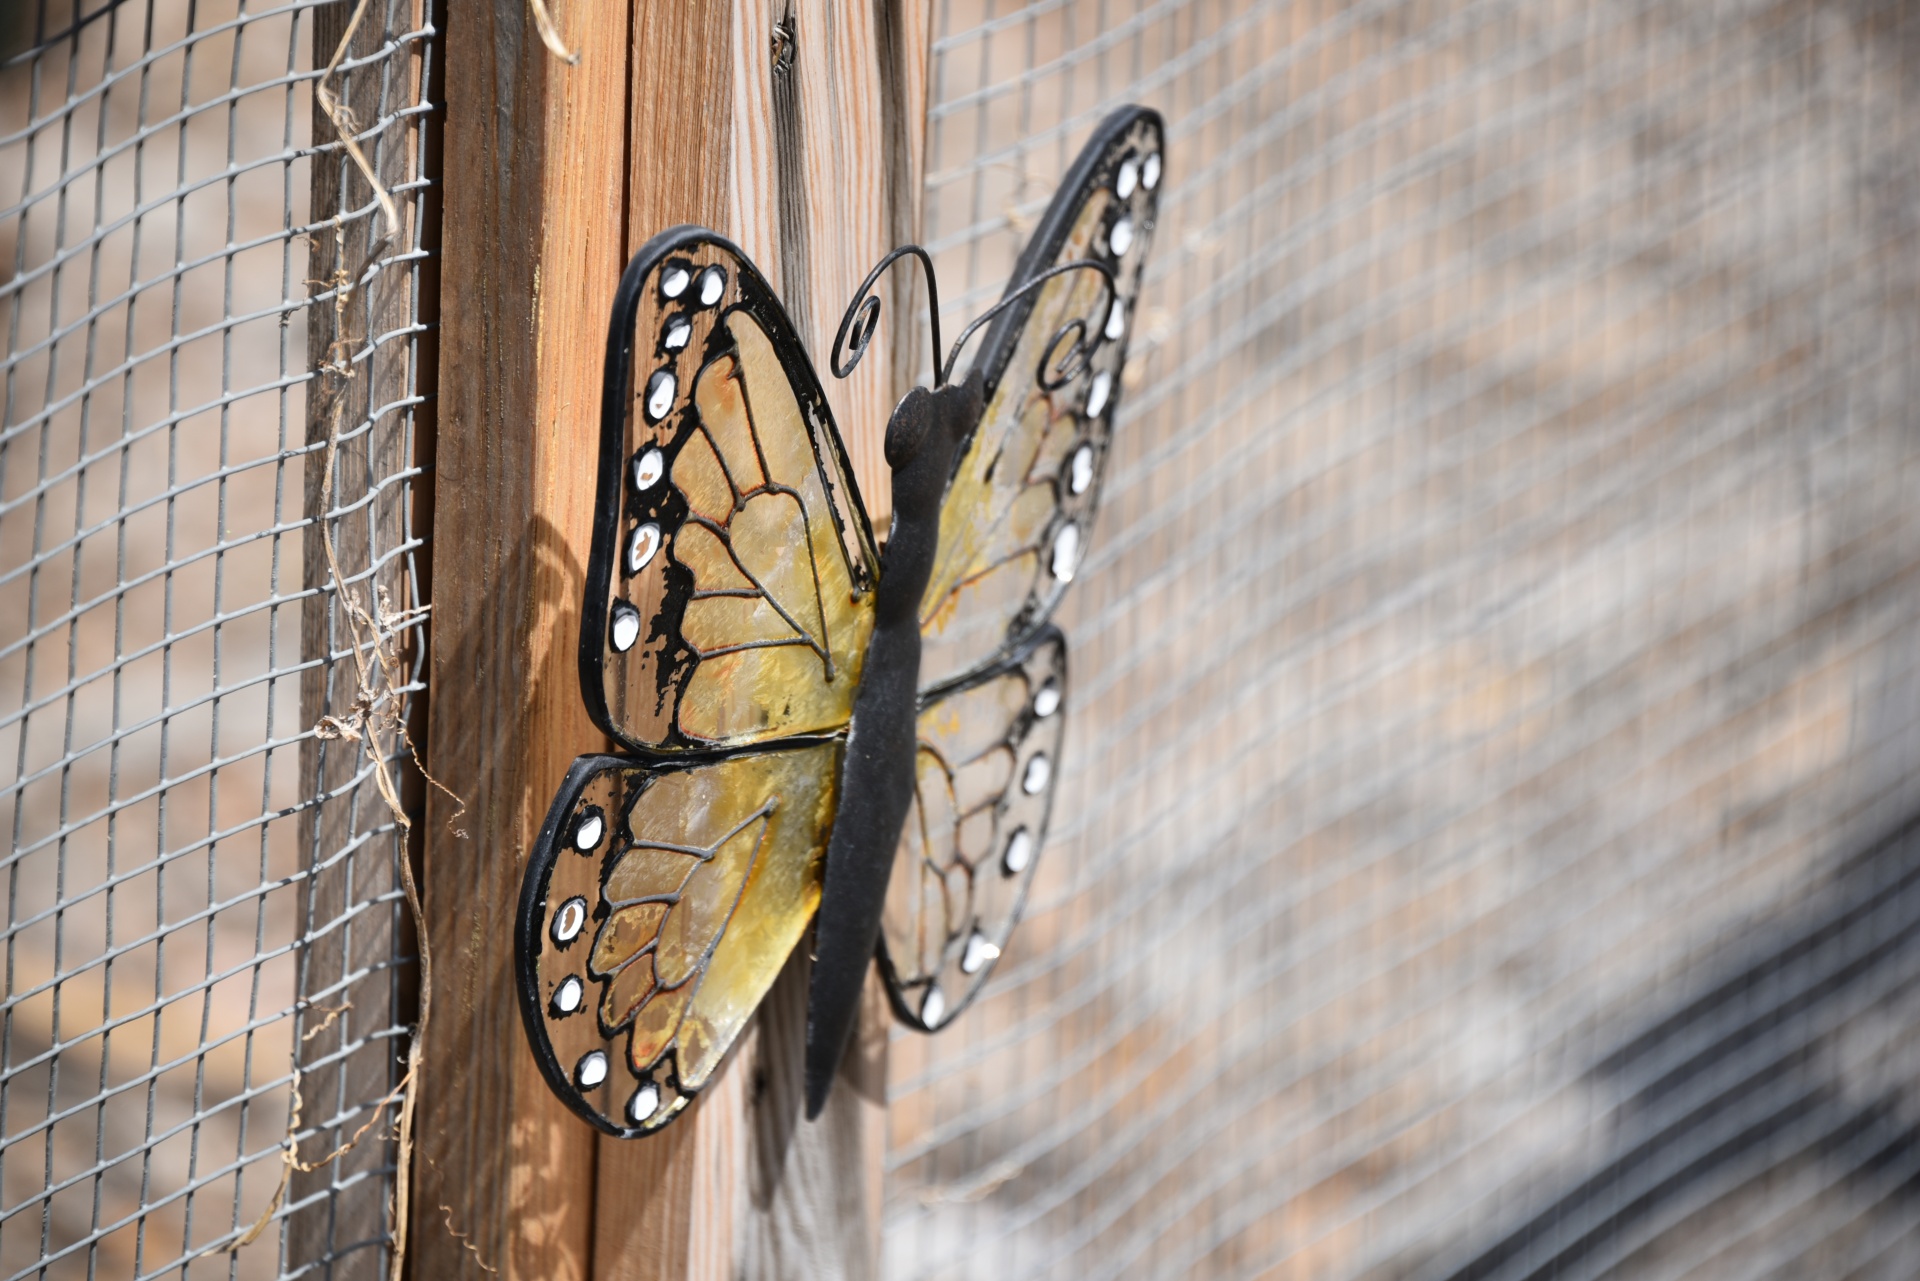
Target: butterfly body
<point>805,722</point>
<point>877,773</point>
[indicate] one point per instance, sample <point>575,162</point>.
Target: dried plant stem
<point>466,1242</point>
<point>345,126</point>
<point>550,35</point>
<point>375,718</point>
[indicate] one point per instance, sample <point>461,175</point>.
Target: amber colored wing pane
<point>729,590</point>
<point>986,764</point>
<point>661,901</point>
<point>1018,511</point>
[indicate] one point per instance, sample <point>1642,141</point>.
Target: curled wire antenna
<point>1082,335</point>
<point>1080,329</point>
<point>862,316</point>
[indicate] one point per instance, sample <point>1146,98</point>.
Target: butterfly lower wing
<point>729,588</point>
<point>661,901</point>
<point>1017,512</point>
<point>987,750</point>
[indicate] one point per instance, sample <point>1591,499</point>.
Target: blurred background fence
<point>1484,847</point>
<point>1480,848</point>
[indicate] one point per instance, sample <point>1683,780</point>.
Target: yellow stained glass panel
<point>736,846</point>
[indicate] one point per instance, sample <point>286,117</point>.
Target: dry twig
<point>550,36</point>
<point>346,127</point>
<point>375,719</point>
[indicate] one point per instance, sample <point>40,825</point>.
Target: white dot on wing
<point>1080,469</point>
<point>1019,852</point>
<point>660,392</point>
<point>1097,393</point>
<point>648,468</point>
<point>641,546</point>
<point>1066,552</point>
<point>626,627</point>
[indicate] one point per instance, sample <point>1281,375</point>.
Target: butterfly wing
<point>729,587</point>
<point>1013,528</point>
<point>984,787</point>
<point>661,901</point>
<point>1015,519</point>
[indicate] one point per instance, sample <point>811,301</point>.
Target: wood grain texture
<point>840,181</point>
<point>534,232</point>
<point>810,1202</point>
<point>678,160</point>
<point>752,185</point>
<point>662,1209</point>
<point>825,178</point>
<point>743,1186</point>
<point>903,33</point>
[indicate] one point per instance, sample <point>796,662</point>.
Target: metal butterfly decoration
<point>808,724</point>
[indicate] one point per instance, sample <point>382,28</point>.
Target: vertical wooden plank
<point>534,231</point>
<point>773,152</point>
<point>682,81</point>
<point>753,193</point>
<point>840,182</point>
<point>810,1202</point>
<point>741,1186</point>
<point>904,33</point>
<point>847,133</point>
<point>663,1204</point>
<point>821,161</point>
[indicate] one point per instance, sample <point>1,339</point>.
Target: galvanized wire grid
<point>1481,847</point>
<point>200,891</point>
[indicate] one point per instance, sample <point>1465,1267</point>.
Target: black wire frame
<point>616,406</point>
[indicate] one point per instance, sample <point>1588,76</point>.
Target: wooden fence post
<point>793,126</point>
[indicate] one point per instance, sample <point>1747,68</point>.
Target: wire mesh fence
<point>208,314</point>
<point>1482,846</point>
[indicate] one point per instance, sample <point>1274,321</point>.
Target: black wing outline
<point>986,540</point>
<point>1097,163</point>
<point>994,878</point>
<point>750,293</point>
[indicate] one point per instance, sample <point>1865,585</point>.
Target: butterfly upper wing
<point>1014,523</point>
<point>984,787</point>
<point>661,901</point>
<point>1013,528</point>
<point>729,588</point>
